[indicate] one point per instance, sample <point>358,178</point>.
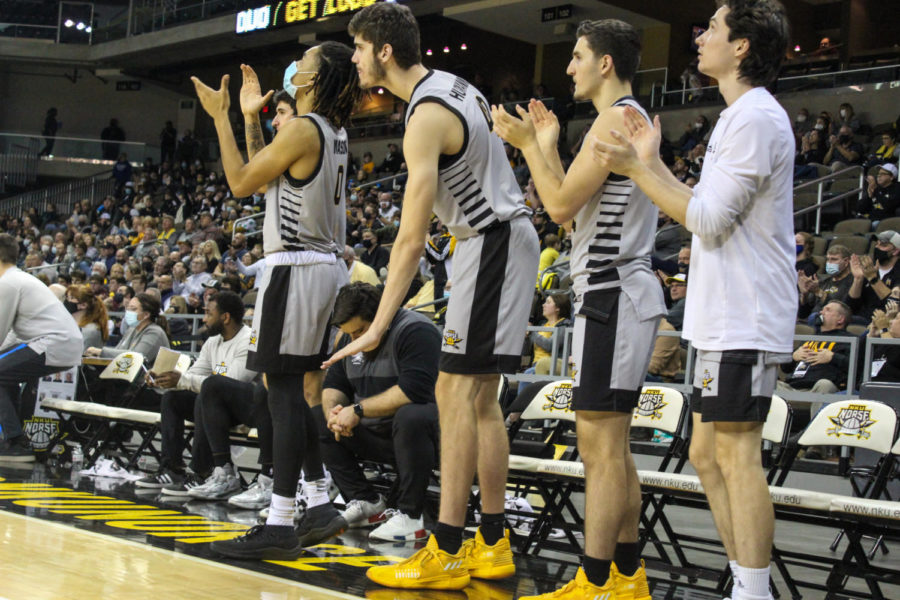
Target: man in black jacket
<point>821,366</point>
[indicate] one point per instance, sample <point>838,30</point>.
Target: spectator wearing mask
<point>843,151</point>
<point>147,330</point>
<point>375,255</point>
<point>847,118</point>
<point>802,123</point>
<point>821,367</point>
<point>812,153</point>
<point>89,313</point>
<point>882,196</point>
<point>873,280</point>
<point>815,294</point>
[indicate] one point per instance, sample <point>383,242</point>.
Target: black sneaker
<point>160,479</point>
<point>184,484</point>
<point>261,542</point>
<point>320,523</point>
<point>16,450</point>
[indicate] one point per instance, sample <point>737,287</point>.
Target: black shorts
<point>733,386</point>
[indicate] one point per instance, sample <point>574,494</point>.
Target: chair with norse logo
<point>663,410</point>
<point>540,433</point>
<point>858,424</point>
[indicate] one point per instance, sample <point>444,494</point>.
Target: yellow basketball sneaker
<point>580,589</point>
<point>631,588</point>
<point>429,568</point>
<point>489,562</point>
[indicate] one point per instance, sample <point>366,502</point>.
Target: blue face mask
<point>832,268</point>
<point>289,73</point>
<point>799,248</point>
<point>131,318</point>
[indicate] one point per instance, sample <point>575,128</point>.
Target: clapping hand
<point>252,100</point>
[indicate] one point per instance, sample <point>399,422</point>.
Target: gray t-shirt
<point>30,313</point>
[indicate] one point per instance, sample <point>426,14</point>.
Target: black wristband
<point>358,409</point>
<point>873,280</point>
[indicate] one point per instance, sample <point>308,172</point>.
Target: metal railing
<point>63,196</point>
<point>83,148</point>
<point>870,343</point>
<point>247,219</point>
<point>18,162</point>
<point>820,184</point>
<point>28,31</point>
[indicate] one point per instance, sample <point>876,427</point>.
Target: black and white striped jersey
<point>309,214</point>
<point>477,189</point>
<point>614,237</point>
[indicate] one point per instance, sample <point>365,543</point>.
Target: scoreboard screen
<point>292,12</point>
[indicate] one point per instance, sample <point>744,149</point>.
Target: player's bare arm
<point>635,154</point>
<point>296,148</point>
<point>432,131</point>
<point>562,197</point>
<point>252,101</point>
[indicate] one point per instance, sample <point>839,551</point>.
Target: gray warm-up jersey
<point>613,239</point>
<point>476,186</point>
<point>309,214</point>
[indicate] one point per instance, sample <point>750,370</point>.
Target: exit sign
<point>128,86</point>
<point>556,13</point>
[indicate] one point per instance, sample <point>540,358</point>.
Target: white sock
<point>281,511</point>
<point>754,583</point>
<point>732,564</point>
<point>316,492</point>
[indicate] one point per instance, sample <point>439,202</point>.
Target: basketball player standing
<point>618,299</point>
<point>742,260</point>
<point>458,169</point>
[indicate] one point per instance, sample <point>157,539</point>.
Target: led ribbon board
<point>291,12</point>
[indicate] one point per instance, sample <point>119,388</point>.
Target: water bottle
<point>77,458</point>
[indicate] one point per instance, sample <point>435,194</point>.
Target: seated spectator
<point>557,312</point>
<point>678,292</point>
<point>802,123</point>
<point>367,168</point>
<point>40,338</point>
<point>375,255</point>
<point>666,360</point>
<point>392,161</point>
<point>882,195</point>
<point>89,313</point>
<point>821,367</point>
<point>872,281</point>
<point>359,271</point>
<point>193,285</point>
<point>147,330</point>
<point>544,226</point>
<point>848,118</point>
<point>694,134</point>
<point>843,151</point>
<point>216,393</point>
<point>549,254</point>
<point>885,364</point>
<point>887,152</point>
<point>251,267</point>
<point>439,254</point>
<point>381,406</point>
<point>805,263</point>
<point>815,294</point>
<point>812,153</point>
<point>210,252</point>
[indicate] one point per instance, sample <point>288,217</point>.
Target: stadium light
<point>428,52</point>
<point>80,26</point>
<point>69,23</point>
<point>463,46</point>
<point>446,49</point>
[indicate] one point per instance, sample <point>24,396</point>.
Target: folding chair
<point>552,406</point>
<point>775,434</point>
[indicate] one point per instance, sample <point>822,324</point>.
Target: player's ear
<point>387,51</point>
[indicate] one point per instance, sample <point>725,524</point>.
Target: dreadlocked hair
<point>336,84</point>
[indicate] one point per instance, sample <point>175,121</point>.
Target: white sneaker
<point>263,515</point>
<point>399,527</point>
<point>360,513</point>
<point>219,486</point>
<point>258,495</point>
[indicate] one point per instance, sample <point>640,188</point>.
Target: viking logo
<point>123,364</point>
<point>651,404</point>
<point>707,379</point>
<point>358,359</point>
<point>559,399</point>
<point>853,422</point>
<point>253,338</point>
<point>220,369</point>
<point>452,339</point>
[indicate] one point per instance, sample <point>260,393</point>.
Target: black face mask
<point>72,307</point>
<point>682,267</point>
<point>117,298</point>
<point>881,256</point>
<point>367,243</point>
